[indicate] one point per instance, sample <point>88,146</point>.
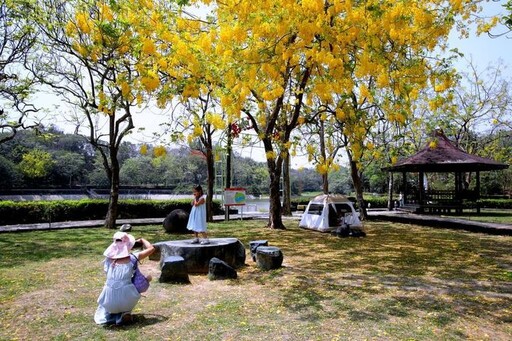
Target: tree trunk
<point>274,166</point>
<point>390,192</point>
<point>110,220</point>
<point>325,183</point>
<point>275,220</point>
<point>358,187</point>
<point>210,183</point>
<point>287,201</point>
<point>227,184</point>
<point>323,154</point>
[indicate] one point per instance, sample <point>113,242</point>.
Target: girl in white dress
<point>119,296</point>
<point>197,217</point>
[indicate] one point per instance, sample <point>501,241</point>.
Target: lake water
<point>252,204</point>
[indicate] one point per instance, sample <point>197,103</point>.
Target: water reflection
<point>252,204</point>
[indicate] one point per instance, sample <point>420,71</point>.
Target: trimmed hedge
<point>496,203</point>
<point>376,202</point>
<point>29,212</point>
<point>382,202</point>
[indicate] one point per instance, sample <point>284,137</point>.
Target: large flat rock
<point>197,257</point>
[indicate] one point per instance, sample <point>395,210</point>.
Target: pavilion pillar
<point>390,191</point>
<point>404,187</point>
<point>477,191</point>
<point>421,190</point>
<point>458,186</point>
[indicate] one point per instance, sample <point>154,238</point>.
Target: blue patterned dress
<point>119,295</point>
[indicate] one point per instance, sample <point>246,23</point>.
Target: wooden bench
<point>301,208</point>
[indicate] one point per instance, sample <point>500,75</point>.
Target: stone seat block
<point>174,270</point>
<point>269,257</point>
<point>220,270</point>
<point>253,245</point>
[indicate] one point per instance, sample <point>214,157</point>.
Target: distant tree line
<point>49,158</point>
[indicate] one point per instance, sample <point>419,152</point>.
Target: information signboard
<point>234,196</point>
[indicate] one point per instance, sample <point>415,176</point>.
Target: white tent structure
<point>330,212</point>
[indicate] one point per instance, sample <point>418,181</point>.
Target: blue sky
<point>484,50</point>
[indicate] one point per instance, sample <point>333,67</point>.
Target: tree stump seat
<point>174,270</point>
<point>253,245</point>
<point>269,257</point>
<point>197,257</point>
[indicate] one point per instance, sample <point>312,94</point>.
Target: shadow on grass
<point>396,273</point>
<point>373,297</point>
<point>139,320</point>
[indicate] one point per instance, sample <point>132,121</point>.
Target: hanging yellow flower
<point>150,81</point>
<point>83,23</point>
<point>144,149</point>
<point>148,47</point>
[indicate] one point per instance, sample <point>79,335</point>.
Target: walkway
<point>441,222</point>
<point>133,222</point>
<point>395,216</point>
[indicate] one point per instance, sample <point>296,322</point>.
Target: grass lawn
<point>488,215</point>
<point>400,282</point>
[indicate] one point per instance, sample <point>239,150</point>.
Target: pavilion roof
<point>442,156</point>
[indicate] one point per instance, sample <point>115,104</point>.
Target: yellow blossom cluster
<point>270,59</point>
<point>215,120</point>
<point>143,149</point>
<point>159,151</point>
<point>326,166</point>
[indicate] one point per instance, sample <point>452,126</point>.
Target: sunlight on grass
<point>501,216</point>
<point>398,282</point>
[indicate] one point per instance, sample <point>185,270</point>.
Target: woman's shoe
<point>127,319</point>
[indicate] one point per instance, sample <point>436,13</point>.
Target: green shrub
<point>496,203</point>
<point>28,212</point>
<point>376,202</point>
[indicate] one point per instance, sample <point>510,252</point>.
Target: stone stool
<point>174,270</point>
<point>218,269</point>
<point>269,257</point>
<point>254,245</point>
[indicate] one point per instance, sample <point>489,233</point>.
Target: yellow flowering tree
<point>281,55</point>
<point>322,142</point>
<point>181,56</point>
<point>196,122</point>
<point>90,56</point>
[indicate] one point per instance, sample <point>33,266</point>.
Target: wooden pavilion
<point>440,156</point>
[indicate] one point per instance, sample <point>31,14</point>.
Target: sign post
<point>234,196</point>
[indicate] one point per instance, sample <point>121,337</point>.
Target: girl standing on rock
<point>197,218</point>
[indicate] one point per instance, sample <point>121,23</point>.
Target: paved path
<point>134,222</point>
<point>441,222</point>
<point>397,216</point>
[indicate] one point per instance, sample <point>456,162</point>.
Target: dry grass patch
<point>400,282</point>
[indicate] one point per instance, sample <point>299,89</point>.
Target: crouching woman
<point>119,296</point>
